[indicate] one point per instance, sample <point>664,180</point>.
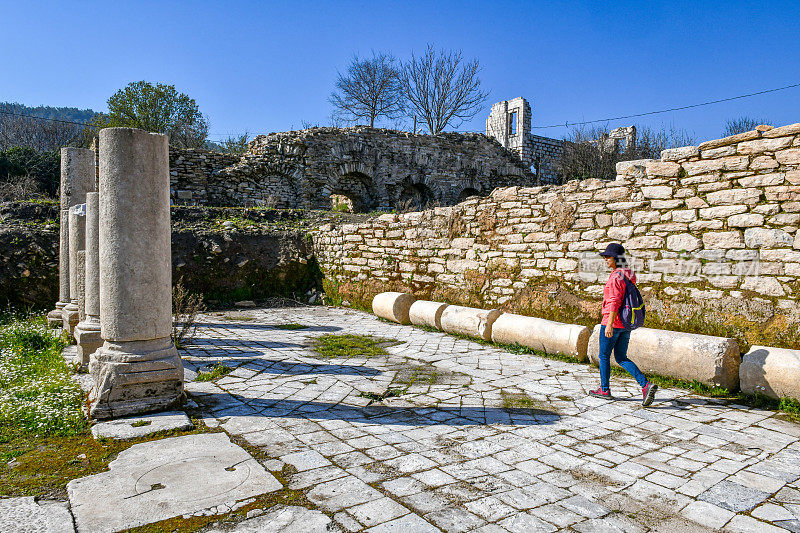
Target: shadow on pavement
<point>376,414</point>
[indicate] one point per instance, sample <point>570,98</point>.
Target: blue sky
<point>270,66</point>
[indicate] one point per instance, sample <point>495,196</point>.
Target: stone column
<point>77,178</point>
<point>87,332</point>
<point>77,243</point>
<point>138,368</point>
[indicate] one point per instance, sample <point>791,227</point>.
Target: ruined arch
<point>466,193</point>
<point>356,187</point>
<point>416,196</point>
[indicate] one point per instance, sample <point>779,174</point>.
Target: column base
<point>87,335</point>
<point>135,377</point>
<point>55,318</point>
<point>70,318</point>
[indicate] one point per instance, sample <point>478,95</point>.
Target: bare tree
<point>584,157</point>
<point>369,90</point>
<point>742,124</point>
<point>441,88</point>
<point>40,134</point>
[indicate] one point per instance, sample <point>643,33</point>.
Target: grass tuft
<point>351,345</point>
<point>291,326</point>
<point>217,372</point>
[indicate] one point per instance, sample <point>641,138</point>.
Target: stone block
<point>723,239</point>
<point>33,515</point>
<point>747,220</point>
<point>766,285</point>
<point>689,356</point>
<point>644,242</point>
<point>543,335</point>
<point>761,180</point>
<point>683,241</point>
<point>766,238</point>
<point>469,321</point>
<point>157,480</point>
<point>789,129</point>
<point>657,191</point>
<point>659,168</point>
<point>138,426</point>
<point>676,154</point>
<point>426,313</point>
<point>774,372</point>
<point>763,145</point>
<point>734,196</point>
<point>763,162</point>
<point>739,137</point>
<point>393,306</point>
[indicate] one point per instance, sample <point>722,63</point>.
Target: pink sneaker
<point>600,393</point>
<point>648,394</point>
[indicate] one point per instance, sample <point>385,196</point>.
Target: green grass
<point>351,345</point>
<point>37,395</point>
<point>217,372</point>
<point>291,326</point>
<point>375,397</point>
<point>141,423</point>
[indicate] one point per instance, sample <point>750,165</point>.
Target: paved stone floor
<point>450,455</point>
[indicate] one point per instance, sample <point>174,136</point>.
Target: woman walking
<point>613,336</point>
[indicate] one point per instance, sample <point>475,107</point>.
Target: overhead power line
<point>567,124</point>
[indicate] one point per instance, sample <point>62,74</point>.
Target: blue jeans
<point>619,343</point>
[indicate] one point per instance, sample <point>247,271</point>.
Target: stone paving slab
<point>27,515</point>
<point>139,426</point>
<point>160,479</point>
<point>454,452</point>
<point>284,519</point>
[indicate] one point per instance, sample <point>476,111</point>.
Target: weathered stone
<point>87,332</point>
<point>469,321</point>
<point>683,241</point>
<point>657,191</point>
<point>138,369</point>
<point>134,427</point>
<point>161,479</point>
<point>745,221</point>
<point>739,137</point>
<point>710,360</point>
<point>776,178</point>
<point>763,162</point>
<point>29,515</point>
<point>774,372</point>
<point>765,285</point>
<point>764,145</point>
<point>77,240</point>
<point>676,154</point>
<point>734,196</point>
<point>393,306</point>
<point>723,239</point>
<point>426,313</point>
<point>77,178</point>
<point>766,238</point>
<point>543,335</point>
<point>662,168</point>
<point>722,211</point>
<point>789,129</point>
<point>644,242</point>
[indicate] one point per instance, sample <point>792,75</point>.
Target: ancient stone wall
<point>545,154</point>
<point>374,168</point>
<point>711,230</point>
<point>224,254</point>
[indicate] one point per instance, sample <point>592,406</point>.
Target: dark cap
<point>613,250</point>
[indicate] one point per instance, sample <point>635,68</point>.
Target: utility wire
<point>566,124</point>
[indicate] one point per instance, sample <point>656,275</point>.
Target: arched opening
<point>415,197</point>
<point>466,193</point>
<point>342,203</point>
<point>352,192</point>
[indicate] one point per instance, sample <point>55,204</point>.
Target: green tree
<point>158,108</point>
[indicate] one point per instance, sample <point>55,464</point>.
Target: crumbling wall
<point>374,168</point>
<point>712,232</point>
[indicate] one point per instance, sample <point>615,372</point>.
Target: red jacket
<point>613,293</point>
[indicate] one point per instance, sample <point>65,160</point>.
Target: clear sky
<point>270,66</point>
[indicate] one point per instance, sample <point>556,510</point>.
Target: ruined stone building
<point>509,122</point>
<point>370,168</point>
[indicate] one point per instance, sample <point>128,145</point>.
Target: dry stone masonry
<point>373,168</point>
<point>711,230</point>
